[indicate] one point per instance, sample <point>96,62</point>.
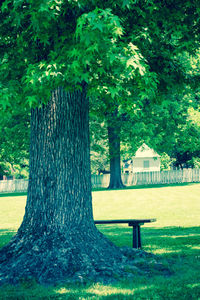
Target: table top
<point>123,221</point>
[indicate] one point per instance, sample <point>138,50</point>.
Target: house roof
<point>145,151</point>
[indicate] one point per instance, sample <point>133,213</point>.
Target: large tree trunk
<point>114,152</point>
<point>59,194</point>
<point>57,238</point>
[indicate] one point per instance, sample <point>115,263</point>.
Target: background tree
<point>161,46</point>
<point>114,134</point>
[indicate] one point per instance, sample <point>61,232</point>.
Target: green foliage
<point>4,168</point>
<point>99,160</point>
<point>171,126</point>
<point>195,162</point>
<point>187,148</point>
<point>19,171</point>
<point>14,141</point>
<point>165,162</point>
<point>58,45</point>
<point>161,46</point>
<point>98,144</point>
<point>118,49</point>
<point>127,52</point>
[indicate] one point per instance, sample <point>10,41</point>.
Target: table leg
<point>136,236</point>
<point>139,238</point>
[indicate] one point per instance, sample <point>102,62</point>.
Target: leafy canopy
<point>47,44</point>
<point>118,48</point>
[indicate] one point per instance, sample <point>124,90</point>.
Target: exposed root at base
<point>97,260</point>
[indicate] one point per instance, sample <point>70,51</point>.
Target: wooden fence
<point>140,178</point>
<point>147,178</point>
<point>17,185</point>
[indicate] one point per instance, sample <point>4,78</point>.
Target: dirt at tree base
<point>52,261</point>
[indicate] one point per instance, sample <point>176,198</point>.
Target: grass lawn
<point>175,236</point>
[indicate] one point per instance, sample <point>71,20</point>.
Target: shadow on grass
<point>12,194</point>
<point>180,246</point>
<point>5,236</point>
<point>172,241</point>
<point>130,290</point>
<point>165,241</point>
<point>89,291</point>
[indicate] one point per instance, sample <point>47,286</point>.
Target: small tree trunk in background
<point>114,152</point>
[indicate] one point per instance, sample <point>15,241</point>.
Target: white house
<point>145,160</point>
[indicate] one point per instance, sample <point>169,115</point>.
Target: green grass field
<point>175,236</point>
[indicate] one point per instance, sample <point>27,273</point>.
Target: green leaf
<point>99,26</point>
<point>85,77</point>
<point>74,53</point>
<point>32,100</point>
<point>126,3</point>
<point>118,31</point>
<point>4,6</point>
<point>113,92</point>
<point>43,7</point>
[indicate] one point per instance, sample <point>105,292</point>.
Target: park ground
<point>175,237</point>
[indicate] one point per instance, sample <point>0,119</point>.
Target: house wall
<point>145,164</point>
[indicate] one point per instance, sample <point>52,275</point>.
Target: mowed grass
<point>175,237</point>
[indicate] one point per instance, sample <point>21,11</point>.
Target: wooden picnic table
<point>135,223</point>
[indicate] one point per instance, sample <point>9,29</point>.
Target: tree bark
<point>57,238</point>
<point>59,193</point>
<point>114,152</point>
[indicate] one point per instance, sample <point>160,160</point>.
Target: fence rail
<point>140,178</point>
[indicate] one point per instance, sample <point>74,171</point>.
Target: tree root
<point>51,260</point>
